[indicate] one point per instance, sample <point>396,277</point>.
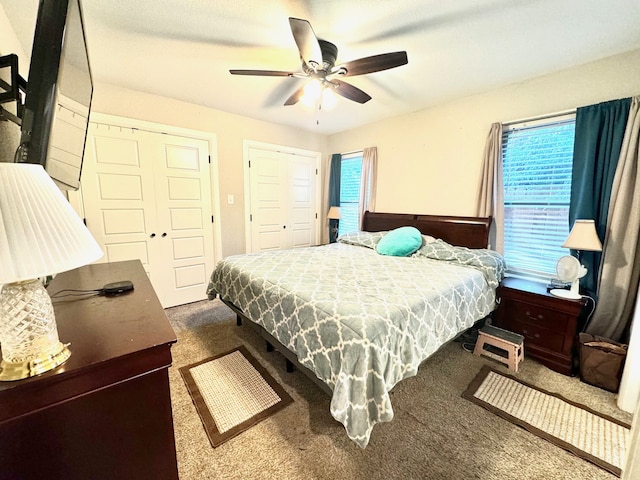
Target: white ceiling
<point>183,49</point>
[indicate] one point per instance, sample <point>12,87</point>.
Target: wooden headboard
<point>471,232</point>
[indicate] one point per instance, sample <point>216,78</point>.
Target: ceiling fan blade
<point>371,64</point>
<point>262,73</point>
<point>307,42</point>
<point>295,97</point>
<point>349,91</point>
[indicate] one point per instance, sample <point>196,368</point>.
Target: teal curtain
<point>598,140</point>
<point>334,193</point>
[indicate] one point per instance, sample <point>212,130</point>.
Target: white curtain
<point>620,265</point>
<point>324,221</point>
<point>368,181</point>
<point>491,195</point>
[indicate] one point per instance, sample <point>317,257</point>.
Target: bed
<point>358,322</point>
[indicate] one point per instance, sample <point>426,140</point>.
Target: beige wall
<point>230,131</point>
<point>429,161</point>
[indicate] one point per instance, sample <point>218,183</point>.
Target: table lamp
<point>40,235</point>
<point>334,214</point>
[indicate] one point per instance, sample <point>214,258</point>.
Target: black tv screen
<point>58,95</point>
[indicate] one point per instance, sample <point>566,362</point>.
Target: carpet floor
<point>436,434</point>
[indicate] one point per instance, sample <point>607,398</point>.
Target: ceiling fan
<point>318,63</point>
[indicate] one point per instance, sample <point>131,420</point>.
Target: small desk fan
<point>569,270</point>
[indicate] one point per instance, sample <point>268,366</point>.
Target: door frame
<point>248,144</point>
<point>75,197</point>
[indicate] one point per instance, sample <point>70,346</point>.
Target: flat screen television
<point>58,95</point>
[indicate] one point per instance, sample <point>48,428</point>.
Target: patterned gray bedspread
<point>359,320</point>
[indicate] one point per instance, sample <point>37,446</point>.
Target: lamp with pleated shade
<point>40,235</point>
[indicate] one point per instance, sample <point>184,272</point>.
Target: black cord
<point>75,293</point>
<point>593,309</point>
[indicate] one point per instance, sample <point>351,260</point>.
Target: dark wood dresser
<point>106,412</point>
<point>549,324</point>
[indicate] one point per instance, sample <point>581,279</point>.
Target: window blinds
<point>537,162</point>
<point>350,173</point>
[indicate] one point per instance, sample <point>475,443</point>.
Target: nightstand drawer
<point>536,316</point>
<point>541,337</point>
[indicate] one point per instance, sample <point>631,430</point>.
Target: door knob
<point>164,234</point>
<point>152,235</point>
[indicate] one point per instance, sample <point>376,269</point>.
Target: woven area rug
<point>597,438</point>
<point>231,393</point>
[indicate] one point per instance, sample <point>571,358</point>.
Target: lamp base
<point>11,371</point>
<point>28,333</point>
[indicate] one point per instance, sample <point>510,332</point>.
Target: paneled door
<point>268,180</point>
<point>283,203</point>
<point>147,196</point>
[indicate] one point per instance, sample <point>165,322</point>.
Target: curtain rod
<point>351,153</point>
<point>540,117</point>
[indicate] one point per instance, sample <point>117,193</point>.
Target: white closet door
<point>302,200</point>
<point>183,200</point>
<point>118,193</point>
<point>147,196</point>
<point>269,212</point>
<point>283,202</point>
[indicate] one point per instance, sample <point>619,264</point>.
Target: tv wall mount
<point>12,88</point>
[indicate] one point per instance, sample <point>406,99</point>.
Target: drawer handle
<point>531,317</point>
<point>535,335</point>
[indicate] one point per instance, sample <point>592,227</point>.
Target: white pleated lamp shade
<point>40,233</point>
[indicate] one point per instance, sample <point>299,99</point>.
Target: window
<point>350,174</point>
<point>537,162</point>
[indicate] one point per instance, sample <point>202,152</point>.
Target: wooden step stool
<point>509,342</point>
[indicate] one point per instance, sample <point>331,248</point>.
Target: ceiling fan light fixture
<point>329,99</point>
<point>312,92</point>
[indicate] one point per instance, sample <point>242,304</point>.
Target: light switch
<point>230,199</point>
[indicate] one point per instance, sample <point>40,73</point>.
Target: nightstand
<point>549,324</point>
